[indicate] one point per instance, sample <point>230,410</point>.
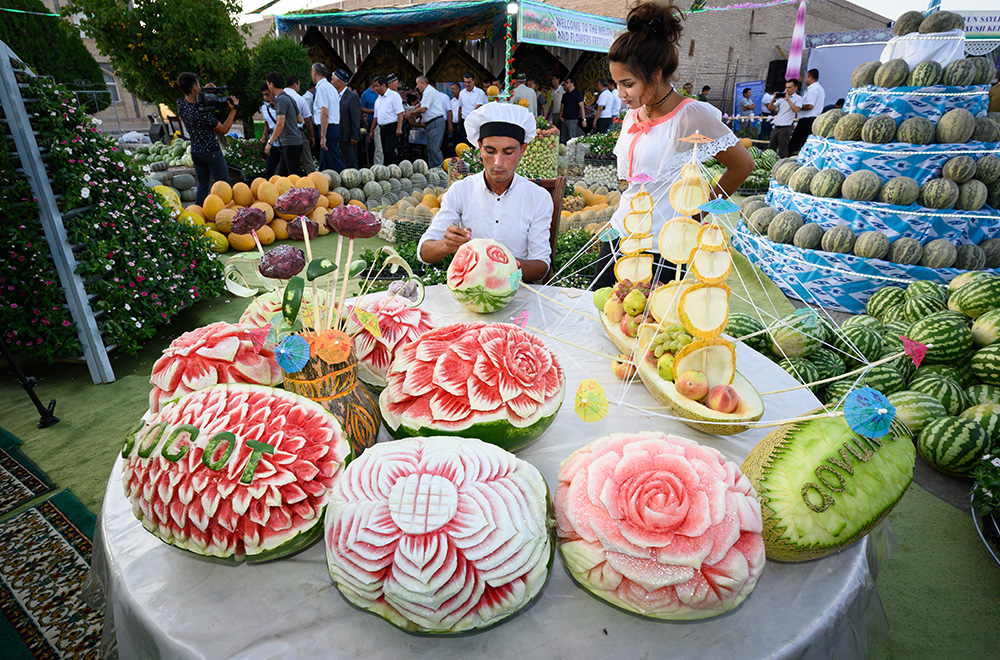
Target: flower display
<point>248,219</point>
<point>217,353</point>
<point>398,325</point>
<point>294,228</point>
<point>439,534</point>
<point>659,525</point>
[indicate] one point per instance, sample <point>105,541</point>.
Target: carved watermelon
<point>235,471</point>
<point>439,535</point>
<point>483,276</point>
<point>217,353</point>
<point>398,323</point>
<point>262,309</point>
<point>659,525</point>
<point>493,381</point>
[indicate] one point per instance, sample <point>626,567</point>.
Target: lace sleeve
<point>704,151</point>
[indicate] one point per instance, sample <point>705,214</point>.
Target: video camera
<point>213,98</point>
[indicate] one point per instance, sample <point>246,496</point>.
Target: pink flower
<point>496,253</point>
<point>659,525</point>
<point>462,266</point>
<point>398,325</point>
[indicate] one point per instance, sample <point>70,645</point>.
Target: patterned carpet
<point>20,479</point>
<point>44,560</point>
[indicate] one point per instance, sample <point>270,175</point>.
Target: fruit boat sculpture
<point>659,525</point>
<point>440,535</point>
<point>672,332</point>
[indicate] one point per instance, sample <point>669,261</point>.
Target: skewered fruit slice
<point>646,334</point>
<point>636,243</point>
<point>638,223</point>
<point>637,268</point>
<point>686,196</point>
<point>711,236</point>
<point>704,310</point>
<point>691,172</point>
<point>711,266</point>
<point>677,238</point>
<point>716,358</point>
<point>642,203</point>
<point>663,301</point>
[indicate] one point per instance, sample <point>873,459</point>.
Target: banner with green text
<point>548,25</point>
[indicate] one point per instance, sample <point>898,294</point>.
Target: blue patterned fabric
<point>905,102</point>
<point>921,162</point>
<point>838,281</point>
<point>895,222</point>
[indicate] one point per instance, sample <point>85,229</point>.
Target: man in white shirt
<point>457,126</point>
<point>431,111</point>
<point>766,126</point>
<point>292,89</point>
<point>617,108</point>
<point>470,98</point>
<point>522,92</point>
<point>556,101</point>
<point>388,119</point>
<point>496,203</point>
<point>784,116</point>
<point>326,111</point>
<point>270,120</point>
<point>605,107</point>
<point>812,106</point>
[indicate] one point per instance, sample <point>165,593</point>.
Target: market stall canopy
<point>467,20</point>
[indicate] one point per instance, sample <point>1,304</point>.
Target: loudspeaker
<point>776,76</point>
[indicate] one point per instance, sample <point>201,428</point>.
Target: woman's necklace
<point>650,108</point>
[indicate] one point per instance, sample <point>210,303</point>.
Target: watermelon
<point>892,348</point>
<point>871,245</point>
<point>986,364</point>
<point>655,514</point>
<point>986,130</point>
<point>395,172</point>
<point>839,239</point>
<point>918,307</point>
<point>986,72</point>
<point>991,248</point>
<point>849,127</point>
<point>836,391</point>
<point>907,22</point>
<point>955,127</point>
<point>398,323</point>
<point>925,74</point>
<point>802,179</point>
<point>864,74</point>
<point>953,445</point>
<point>884,378</point>
<point>372,191</point>
<point>858,344</point>
<point>350,178</point>
<point>494,382</point>
<point>986,415</point>
<point>861,186</point>
<point>916,409</point>
<point>827,183</point>
<point>907,251</point>
<point>963,279</point>
<point>944,389</point>
<point>406,167</point>
<point>826,122</point>
<point>783,226</point>
<point>970,257</point>
<point>822,487</point>
<point>344,193</point>
<point>895,313</point>
<point>924,287</point>
<point>892,73</point>
<point>882,299</point>
<point>946,338</point>
<point>235,471</point>
<point>863,320</point>
<point>899,191</point>
<point>797,335</point>
<point>916,130</point>
<point>483,275</point>
<point>959,73</point>
<point>381,172</point>
<point>357,195</point>
<point>941,21</point>
<point>939,194</point>
<point>959,169</point>
<point>740,325</point>
<point>411,518</point>
<point>827,362</point>
<point>801,370</point>
<point>988,169</point>
<point>809,236</point>
<point>783,173</point>
<point>879,129</point>
<point>982,393</point>
<point>986,328</point>
<point>761,219</point>
<point>976,297</point>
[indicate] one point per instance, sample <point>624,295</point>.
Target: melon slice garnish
<point>711,236</point>
<point>646,333</point>
<point>638,223</point>
<point>716,358</point>
<point>677,238</point>
<point>636,243</point>
<point>642,203</point>
<point>663,300</point>
<point>691,173</point>
<point>711,266</point>
<point>704,310</point>
<point>687,195</point>
<point>638,268</point>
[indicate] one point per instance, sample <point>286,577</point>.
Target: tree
<point>281,54</point>
<point>151,42</point>
<point>51,46</point>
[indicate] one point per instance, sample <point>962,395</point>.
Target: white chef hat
<point>503,119</point>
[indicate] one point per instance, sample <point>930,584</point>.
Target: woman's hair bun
<point>658,20</point>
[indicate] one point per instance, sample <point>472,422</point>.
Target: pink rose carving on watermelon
<point>439,534</point>
<point>398,325</point>
<point>496,253</point>
<point>463,375</point>
<point>659,525</point>
<point>199,477</point>
<point>217,353</point>
<point>462,266</point>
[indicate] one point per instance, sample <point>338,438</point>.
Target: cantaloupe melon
<point>265,235</point>
<point>266,208</point>
<point>194,208</point>
<point>280,228</point>
<point>283,184</point>
<point>304,182</point>
<point>242,194</point>
<point>320,181</point>
<point>268,193</point>
<point>224,220</point>
<point>242,242</point>
<point>256,184</point>
<point>223,191</point>
<point>213,204</point>
<point>335,199</point>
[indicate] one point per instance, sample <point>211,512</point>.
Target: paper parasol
<point>609,234</point>
<point>259,337</point>
<point>719,206</point>
<point>809,317</point>
<point>868,412</point>
<point>333,346</point>
<point>520,320</point>
<point>368,321</point>
<point>515,278</point>
<point>914,349</point>
<point>591,404</point>
<point>292,353</point>
<point>697,138</point>
<point>641,177</point>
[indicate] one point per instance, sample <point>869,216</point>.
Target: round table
<point>171,604</point>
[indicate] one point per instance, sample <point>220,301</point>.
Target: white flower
<point>86,177</point>
<point>85,193</point>
<point>127,307</point>
<point>138,325</point>
<point>987,493</point>
<point>995,462</point>
<point>107,266</point>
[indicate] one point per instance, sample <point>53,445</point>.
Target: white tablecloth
<point>167,603</point>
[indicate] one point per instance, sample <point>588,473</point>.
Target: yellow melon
<point>293,178</point>
<point>323,229</point>
<point>242,194</point>
<point>211,225</point>
<point>280,228</point>
<point>321,183</point>
<point>194,208</point>
<point>224,220</point>
<point>355,202</point>
<point>266,208</point>
<point>493,90</point>
<point>564,214</point>
<point>431,201</point>
<point>274,179</point>
<point>213,204</point>
<point>304,182</point>
<point>231,205</point>
<point>283,185</point>
<point>461,148</point>
<point>216,241</point>
<point>335,199</point>
<point>242,242</point>
<point>223,191</point>
<point>256,184</point>
<point>265,235</point>
<point>746,142</point>
<point>323,202</point>
<point>319,215</point>
<point>268,193</point>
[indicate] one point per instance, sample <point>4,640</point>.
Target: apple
<point>722,398</point>
<point>630,325</point>
<point>665,366</point>
<point>623,366</point>
<point>602,296</point>
<point>634,303</point>
<point>614,310</point>
<point>693,384</point>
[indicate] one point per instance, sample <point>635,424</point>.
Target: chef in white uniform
<point>496,203</point>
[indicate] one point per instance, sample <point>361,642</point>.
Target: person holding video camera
<point>195,111</point>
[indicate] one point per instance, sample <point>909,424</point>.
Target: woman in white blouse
<point>643,60</point>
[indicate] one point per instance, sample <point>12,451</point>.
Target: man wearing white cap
<point>496,203</point>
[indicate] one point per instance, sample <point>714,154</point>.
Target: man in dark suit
<point>350,118</point>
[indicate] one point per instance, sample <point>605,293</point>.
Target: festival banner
<point>548,25</point>
<point>981,24</point>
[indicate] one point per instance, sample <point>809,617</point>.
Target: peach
<point>630,325</point>
<point>722,398</point>
<point>614,310</point>
<point>693,384</point>
<point>623,367</point>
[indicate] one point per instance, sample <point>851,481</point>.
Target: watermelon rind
<point>479,299</point>
<point>916,409</point>
<point>501,432</point>
<point>986,415</point>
